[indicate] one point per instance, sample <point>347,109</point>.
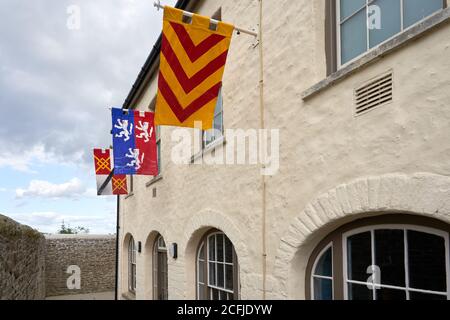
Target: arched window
<point>322,276</point>
<point>217,268</point>
<point>384,258</point>
<point>160,278</point>
<point>132,265</point>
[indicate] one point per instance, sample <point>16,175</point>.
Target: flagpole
<point>158,5</point>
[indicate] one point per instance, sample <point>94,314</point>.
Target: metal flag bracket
<point>157,5</point>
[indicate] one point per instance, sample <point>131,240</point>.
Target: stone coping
<point>78,236</point>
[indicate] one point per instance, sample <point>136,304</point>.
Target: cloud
<point>50,222</point>
<point>56,84</point>
<point>23,161</point>
<point>44,189</point>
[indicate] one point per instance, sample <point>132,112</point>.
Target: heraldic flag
<point>192,63</point>
<point>134,143</point>
<point>107,183</point>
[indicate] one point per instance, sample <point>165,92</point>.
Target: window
<point>322,277</point>
<point>216,133</point>
<point>358,29</point>
<point>158,148</point>
<point>131,265</point>
<point>393,261</point>
<point>160,274</point>
<point>217,268</point>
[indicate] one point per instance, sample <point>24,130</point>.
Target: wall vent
<point>374,93</point>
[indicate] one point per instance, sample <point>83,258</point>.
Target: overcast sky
<point>56,83</point>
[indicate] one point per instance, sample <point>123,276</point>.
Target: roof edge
<point>154,54</point>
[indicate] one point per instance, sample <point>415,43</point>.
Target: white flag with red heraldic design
<point>107,182</point>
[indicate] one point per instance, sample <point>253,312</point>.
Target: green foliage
<point>69,230</point>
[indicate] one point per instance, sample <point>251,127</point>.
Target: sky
<point>62,65</point>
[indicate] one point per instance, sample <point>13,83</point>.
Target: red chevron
<point>187,83</point>
<point>171,99</point>
<point>195,52</point>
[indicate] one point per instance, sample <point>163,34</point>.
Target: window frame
<point>132,266</point>
<point>158,149</point>
<point>405,228</point>
<point>336,239</point>
<point>157,251</point>
<point>204,243</point>
<point>313,276</point>
<point>337,31</point>
<point>205,145</point>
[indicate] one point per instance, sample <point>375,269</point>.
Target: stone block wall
<point>94,255</point>
<point>22,262</point>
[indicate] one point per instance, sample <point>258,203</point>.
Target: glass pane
<point>219,104</point>
<point>158,145</point>
<point>162,244</point>
<point>390,256</point>
<point>390,21</point>
<point>228,250</point>
<point>201,272</point>
<point>425,296</point>
<point>221,276</point>
<point>220,247</point>
<point>348,7</point>
<point>353,37</point>
<point>218,123</point>
<point>212,248</point>
<point>229,277</point>
<point>215,294</point>
<point>212,274</point>
<point>324,266</point>
<point>416,10</point>
<point>208,137</point>
<point>384,294</point>
<point>201,292</point>
<point>427,269</point>
<point>202,252</point>
<point>323,289</point>
<point>359,256</point>
<point>359,292</point>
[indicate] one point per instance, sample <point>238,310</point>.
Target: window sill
<point>213,146</point>
<point>377,53</point>
<point>129,296</point>
<point>154,180</point>
<point>129,196</point>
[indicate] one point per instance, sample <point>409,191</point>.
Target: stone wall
<point>95,255</point>
<point>22,262</point>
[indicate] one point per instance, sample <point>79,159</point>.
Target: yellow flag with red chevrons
<point>192,63</point>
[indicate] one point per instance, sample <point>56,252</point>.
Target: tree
<point>69,230</point>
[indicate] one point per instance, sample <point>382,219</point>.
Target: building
<point>363,186</point>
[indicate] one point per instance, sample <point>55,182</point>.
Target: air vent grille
<point>374,94</point>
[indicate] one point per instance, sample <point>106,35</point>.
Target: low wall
<point>94,255</point>
<point>22,262</point>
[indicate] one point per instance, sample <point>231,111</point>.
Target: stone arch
<point>196,227</point>
<point>423,194</point>
<point>157,230</point>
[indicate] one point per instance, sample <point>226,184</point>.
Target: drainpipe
<point>263,126</point>
<point>117,249</point>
